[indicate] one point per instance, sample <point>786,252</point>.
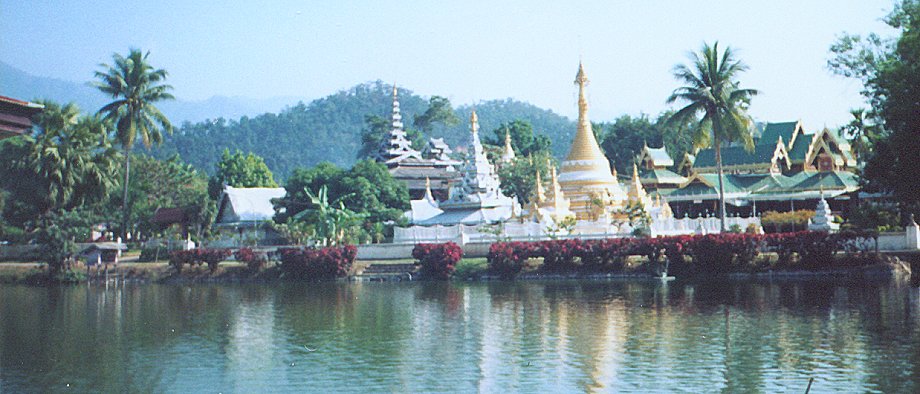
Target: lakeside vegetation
<point>82,172</point>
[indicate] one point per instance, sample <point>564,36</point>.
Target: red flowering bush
<point>254,260</point>
<point>211,257</point>
<point>318,264</point>
<point>507,259</point>
<point>560,256</point>
<point>437,260</point>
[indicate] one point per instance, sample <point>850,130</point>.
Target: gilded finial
<point>580,77</point>
<point>474,122</point>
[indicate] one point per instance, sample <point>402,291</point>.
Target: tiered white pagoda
<point>477,198</point>
<point>431,172</point>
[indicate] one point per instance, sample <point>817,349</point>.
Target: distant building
<point>244,216</point>
<point>16,116</point>
<point>655,169</point>
<point>410,166</point>
<point>788,169</point>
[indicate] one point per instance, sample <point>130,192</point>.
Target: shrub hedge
<point>437,260</point>
<point>211,257</point>
<point>682,255</point>
<point>317,264</point>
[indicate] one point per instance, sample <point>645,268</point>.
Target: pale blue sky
<point>466,50</point>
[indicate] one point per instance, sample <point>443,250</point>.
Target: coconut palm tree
<point>716,101</point>
<point>136,86</point>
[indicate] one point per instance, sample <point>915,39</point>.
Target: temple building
<point>432,172</point>
<point>655,169</point>
<point>585,176</point>
<point>477,198</point>
<point>788,169</point>
<point>16,116</point>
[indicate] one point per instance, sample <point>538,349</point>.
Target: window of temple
<point>825,162</point>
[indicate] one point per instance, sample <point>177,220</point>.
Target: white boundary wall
<point>530,231</point>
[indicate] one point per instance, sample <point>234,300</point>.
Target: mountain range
<point>287,131</point>
<point>21,85</point>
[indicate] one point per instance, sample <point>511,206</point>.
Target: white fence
<point>529,231</point>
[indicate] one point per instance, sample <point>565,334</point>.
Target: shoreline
<point>888,267</point>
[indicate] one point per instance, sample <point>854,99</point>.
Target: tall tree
<point>715,99</point>
<point>890,71</point>
<point>71,157</point>
<point>239,170</point>
<point>439,112</point>
<point>135,87</point>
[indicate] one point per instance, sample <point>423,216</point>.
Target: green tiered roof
<point>661,176</point>
<point>799,186</point>
<point>737,156</point>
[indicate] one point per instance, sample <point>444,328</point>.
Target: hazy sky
<point>466,50</point>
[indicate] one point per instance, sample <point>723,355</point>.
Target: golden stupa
<point>585,175</point>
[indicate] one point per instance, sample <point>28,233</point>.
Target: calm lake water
<point>491,337</point>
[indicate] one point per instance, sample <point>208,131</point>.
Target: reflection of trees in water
<point>549,336</point>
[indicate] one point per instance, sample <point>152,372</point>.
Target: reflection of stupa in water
<point>585,176</point>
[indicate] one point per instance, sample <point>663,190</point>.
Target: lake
<point>565,336</point>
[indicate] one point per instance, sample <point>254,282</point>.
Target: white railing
<point>530,231</point>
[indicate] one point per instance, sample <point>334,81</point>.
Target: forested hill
<point>329,129</point>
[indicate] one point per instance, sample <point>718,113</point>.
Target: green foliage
<point>874,216</point>
<point>519,178</point>
<point>367,188</point>
<point>523,140</point>
<point>778,222</point>
<point>331,128</point>
<point>623,139</point>
<point>439,112</point>
<point>332,223</point>
<point>57,234</point>
<point>890,71</point>
<point>166,183</point>
<point>239,170</point>
<point>68,162</point>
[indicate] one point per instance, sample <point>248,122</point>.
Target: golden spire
<point>508,155</point>
<point>539,194</point>
<point>636,191</point>
<point>585,146</point>
<point>474,122</point>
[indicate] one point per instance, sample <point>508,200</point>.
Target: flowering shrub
<point>254,260</point>
<point>318,264</point>
<point>211,257</point>
<point>710,254</point>
<point>507,259</point>
<point>437,260</point>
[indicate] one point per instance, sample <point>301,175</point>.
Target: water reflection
<point>498,336</point>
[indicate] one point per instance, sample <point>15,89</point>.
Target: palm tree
<point>73,156</point>
<point>136,86</point>
<point>862,131</point>
<point>716,101</point>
